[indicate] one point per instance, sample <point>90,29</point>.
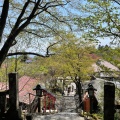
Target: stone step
<point>69,104</point>
<point>69,110</point>
<point>59,116</point>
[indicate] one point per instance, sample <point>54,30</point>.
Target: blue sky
<point>105,41</point>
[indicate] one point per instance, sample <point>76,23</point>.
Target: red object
<point>86,104</point>
<point>49,100</point>
<point>44,93</point>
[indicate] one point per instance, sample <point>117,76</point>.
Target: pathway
<point>67,111</point>
<point>68,104</point>
<point>59,116</point>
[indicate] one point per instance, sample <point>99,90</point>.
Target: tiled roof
<point>3,86</point>
<point>26,85</point>
<point>109,65</point>
<point>106,64</point>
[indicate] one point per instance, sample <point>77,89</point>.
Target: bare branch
<point>49,5</point>
<point>47,52</point>
<point>33,33</point>
<point>42,24</point>
<point>25,53</point>
<point>31,16</point>
<point>22,22</point>
<point>117,2</point>
<point>28,53</point>
<point>62,21</point>
<point>21,14</point>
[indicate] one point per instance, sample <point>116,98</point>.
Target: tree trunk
<point>79,90</point>
<point>5,49</point>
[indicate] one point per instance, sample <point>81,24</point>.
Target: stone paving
<point>66,112</point>
<point>69,104</point>
<point>60,116</point>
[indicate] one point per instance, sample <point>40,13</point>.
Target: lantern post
<point>91,90</point>
<point>39,94</point>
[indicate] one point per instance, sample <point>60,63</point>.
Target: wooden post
<point>53,102</point>
<point>13,91</point>
<point>39,104</point>
<point>14,112</point>
<point>45,103</point>
<point>109,98</point>
<point>50,103</point>
<point>29,104</point>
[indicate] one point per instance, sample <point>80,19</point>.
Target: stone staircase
<point>68,104</point>
<point>59,116</point>
<point>66,111</point>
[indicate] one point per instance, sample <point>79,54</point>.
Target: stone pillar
<point>13,91</point>
<point>109,99</point>
<point>14,112</point>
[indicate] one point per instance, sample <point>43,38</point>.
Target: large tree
<point>100,19</point>
<point>23,23</point>
<point>73,58</point>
